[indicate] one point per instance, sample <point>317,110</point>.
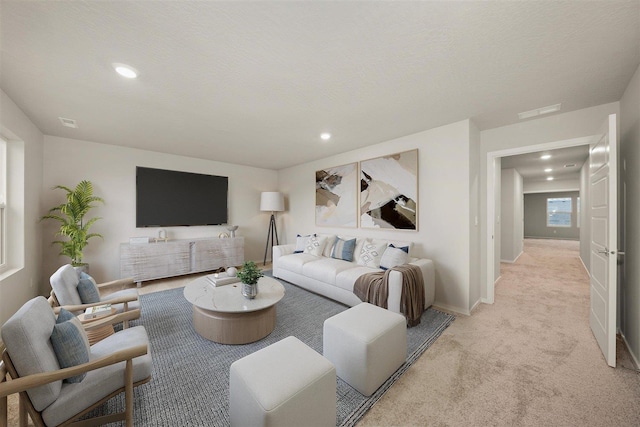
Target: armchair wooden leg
<point>128,393</point>
<point>3,411</point>
<point>23,414</point>
<point>4,416</point>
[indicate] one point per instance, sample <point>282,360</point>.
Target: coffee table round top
<point>229,299</point>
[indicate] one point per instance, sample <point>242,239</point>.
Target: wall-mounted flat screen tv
<point>166,198</point>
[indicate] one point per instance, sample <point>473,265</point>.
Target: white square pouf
<point>285,384</point>
<point>366,344</point>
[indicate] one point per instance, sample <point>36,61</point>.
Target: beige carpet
<point>527,360</point>
<point>530,359</point>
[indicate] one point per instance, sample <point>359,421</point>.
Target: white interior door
<point>604,238</point>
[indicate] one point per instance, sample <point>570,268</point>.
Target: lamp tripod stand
<point>273,231</point>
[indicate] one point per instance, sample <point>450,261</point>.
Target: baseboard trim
<point>475,306</point>
<point>514,261</point>
<point>552,238</point>
<point>456,310</point>
<point>633,356</point>
<point>584,266</point>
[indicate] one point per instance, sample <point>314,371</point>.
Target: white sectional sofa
<point>335,278</point>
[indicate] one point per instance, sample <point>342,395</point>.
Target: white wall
<point>560,127</point>
<point>443,211</point>
<point>474,215</point>
<point>497,228</point>
<point>112,171</point>
<point>511,211</point>
<point>24,154</point>
<point>585,230</point>
<point>555,185</point>
<point>630,205</point>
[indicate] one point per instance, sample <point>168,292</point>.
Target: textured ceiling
<point>255,83</point>
<point>564,162</point>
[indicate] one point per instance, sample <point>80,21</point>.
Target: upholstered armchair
<point>77,291</point>
<point>60,377</point>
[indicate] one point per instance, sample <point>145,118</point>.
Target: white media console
<point>150,261</point>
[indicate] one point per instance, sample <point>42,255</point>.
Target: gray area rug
<point>190,382</point>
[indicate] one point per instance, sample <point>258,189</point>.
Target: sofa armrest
<point>281,250</point>
<point>429,276</point>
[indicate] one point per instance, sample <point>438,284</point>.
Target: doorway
<point>493,224</point>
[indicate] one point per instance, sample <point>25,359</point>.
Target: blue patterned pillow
<point>394,256</point>
<point>88,290</point>
<point>64,315</point>
<point>343,249</point>
<point>71,346</point>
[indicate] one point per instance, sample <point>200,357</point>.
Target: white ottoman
<point>366,344</point>
<point>284,384</point>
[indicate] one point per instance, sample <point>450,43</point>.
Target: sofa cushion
<point>301,243</point>
<point>295,262</point>
<point>315,245</point>
<point>347,278</point>
<point>325,269</point>
<point>88,291</point>
<point>71,346</point>
<point>328,247</point>
<point>394,256</point>
<point>64,315</point>
<point>371,253</point>
<point>401,244</point>
<point>104,381</point>
<point>343,249</point>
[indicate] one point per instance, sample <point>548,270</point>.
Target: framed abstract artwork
<point>337,196</point>
<point>389,191</point>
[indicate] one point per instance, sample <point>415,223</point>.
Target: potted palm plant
<point>249,275</point>
<point>73,225</point>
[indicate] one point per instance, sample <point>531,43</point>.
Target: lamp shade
<point>272,201</point>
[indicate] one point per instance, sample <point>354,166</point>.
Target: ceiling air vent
<point>70,123</point>
<point>572,165</point>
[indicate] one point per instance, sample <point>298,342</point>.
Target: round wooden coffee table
<point>223,315</point>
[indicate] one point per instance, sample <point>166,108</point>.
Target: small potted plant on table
<point>249,275</point>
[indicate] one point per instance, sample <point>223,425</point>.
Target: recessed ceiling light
<point>70,123</point>
<point>125,70</point>
<point>548,170</point>
<point>539,111</point>
<point>325,136</point>
<point>549,178</point>
<point>545,156</point>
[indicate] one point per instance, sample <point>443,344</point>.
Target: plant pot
<point>84,267</point>
<point>249,291</point>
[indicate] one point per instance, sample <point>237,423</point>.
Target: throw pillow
<point>394,256</point>
<point>371,253</point>
<point>315,245</point>
<point>88,291</point>
<point>71,346</point>
<point>64,315</point>
<point>83,275</point>
<point>301,243</point>
<point>343,249</point>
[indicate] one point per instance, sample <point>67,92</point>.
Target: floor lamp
<point>271,201</point>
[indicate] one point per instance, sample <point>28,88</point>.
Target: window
<point>559,212</point>
<point>3,203</point>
